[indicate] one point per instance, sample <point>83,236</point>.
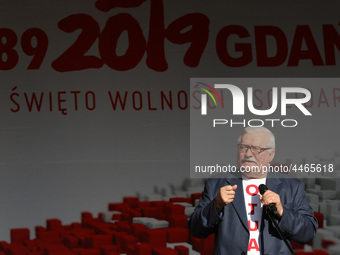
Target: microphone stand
<point>269,213</point>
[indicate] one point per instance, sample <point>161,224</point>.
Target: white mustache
<point>244,159</point>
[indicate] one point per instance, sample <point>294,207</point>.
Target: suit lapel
<point>238,202</point>
<point>273,183</point>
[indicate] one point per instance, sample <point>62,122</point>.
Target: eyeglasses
<point>254,149</point>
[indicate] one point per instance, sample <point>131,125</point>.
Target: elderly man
<point>232,208</point>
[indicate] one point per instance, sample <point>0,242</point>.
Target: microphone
<point>272,208</point>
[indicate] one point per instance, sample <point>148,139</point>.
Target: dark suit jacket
<point>231,228</point>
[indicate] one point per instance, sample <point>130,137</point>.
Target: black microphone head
<point>263,188</point>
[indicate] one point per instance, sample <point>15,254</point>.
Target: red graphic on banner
<point>245,45</point>
<point>75,58</point>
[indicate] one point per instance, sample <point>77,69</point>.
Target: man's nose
<point>249,153</point>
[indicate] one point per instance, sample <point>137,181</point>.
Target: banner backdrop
<point>95,95</point>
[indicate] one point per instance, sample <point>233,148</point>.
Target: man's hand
<point>271,197</point>
<point>224,197</point>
